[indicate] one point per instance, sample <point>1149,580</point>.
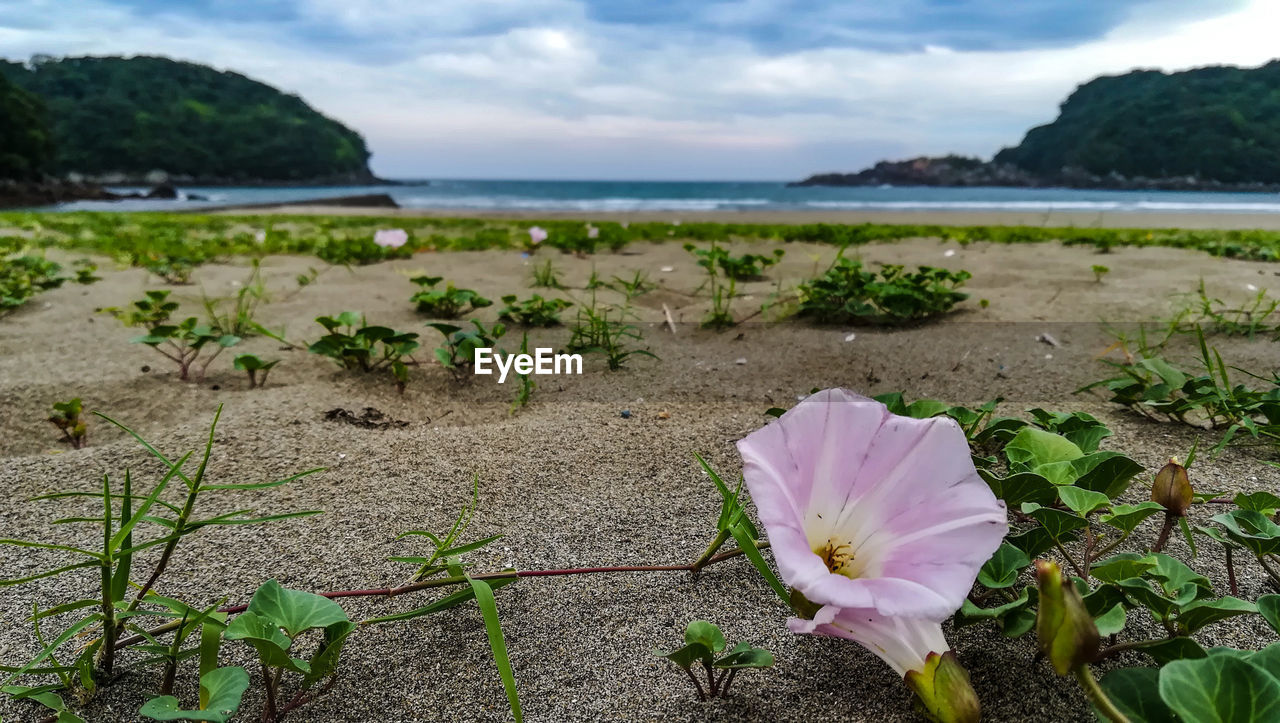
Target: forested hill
<point>131,116</point>
<point>1218,124</point>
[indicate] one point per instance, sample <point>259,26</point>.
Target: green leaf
<point>49,649</point>
<point>701,631</point>
<point>1220,689</point>
<point>1198,614</point>
<point>325,660</point>
<point>1033,447</point>
<point>1082,502</point>
<point>294,610</point>
<point>493,627</point>
<point>1172,649</point>
<point>1107,472</point>
<point>1112,621</point>
<point>686,656</point>
<point>749,550</point>
<point>223,688</point>
<point>1021,487</point>
<point>1269,608</point>
<point>265,637</point>
<point>745,656</point>
<point>1056,522</point>
<point>1263,502</point>
<point>444,603</point>
<point>1121,567</point>
<point>1004,566</point>
<point>1126,518</point>
<point>1135,692</point>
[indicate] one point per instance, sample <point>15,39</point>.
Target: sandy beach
<point>1051,219</point>
<point>569,481</point>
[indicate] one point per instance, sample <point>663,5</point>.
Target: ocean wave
<point>1048,206</point>
<point>583,204</point>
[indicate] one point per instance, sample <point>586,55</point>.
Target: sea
<point>690,196</point>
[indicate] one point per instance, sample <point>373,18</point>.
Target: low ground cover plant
<point>24,274</point>
<point>449,302</point>
<point>747,267</point>
<point>850,294</point>
<point>546,276</point>
<point>704,646</point>
<point>188,343</point>
<point>533,311</point>
<point>721,283</point>
<point>68,417</point>
<point>236,315</point>
<point>458,354</point>
<point>140,239</point>
<point>355,345</point>
<point>1151,385</point>
<point>255,367</point>
<point>1258,316</point>
<point>606,330</point>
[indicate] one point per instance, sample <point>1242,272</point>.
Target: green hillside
<point>1217,124</point>
<point>24,134</point>
<point>135,115</point>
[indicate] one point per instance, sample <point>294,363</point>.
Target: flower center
<point>839,557</point>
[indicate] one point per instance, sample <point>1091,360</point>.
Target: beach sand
<point>568,481</point>
<point>1050,219</point>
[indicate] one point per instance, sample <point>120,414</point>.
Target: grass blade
<point>493,626</point>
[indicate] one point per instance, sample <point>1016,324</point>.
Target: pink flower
<point>593,232</point>
<point>537,235</point>
<point>392,238</point>
<point>881,522</point>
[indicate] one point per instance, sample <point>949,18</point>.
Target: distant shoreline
<point>1052,219</point>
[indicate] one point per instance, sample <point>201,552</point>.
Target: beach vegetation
<point>256,368</point>
<point>608,331</point>
<point>631,287</point>
<point>183,342</point>
<point>546,276</point>
<point>721,283</point>
<point>68,418</point>
<point>533,311</point>
<point>353,344</point>
<point>458,354</point>
<point>1099,271</point>
<point>705,648</point>
<point>449,302</point>
<point>848,293</point>
<point>236,314</point>
<point>746,267</point>
<point>25,273</point>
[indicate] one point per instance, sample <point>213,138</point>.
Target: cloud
<point>612,89</point>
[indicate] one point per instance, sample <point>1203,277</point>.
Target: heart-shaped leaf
<point>1220,689</point>
<point>295,610</point>
<point>223,688</point>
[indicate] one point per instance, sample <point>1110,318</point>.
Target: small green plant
<point>1258,315</point>
<point>1151,385</point>
<point>722,289</point>
<point>525,391</point>
<point>183,343</point>
<point>459,351</point>
<point>23,275</point>
<point>546,276</point>
<point>534,311</point>
<point>274,621</point>
<point>66,417</point>
<point>256,368</point>
<point>446,303</point>
<point>638,284</point>
<point>748,267</point>
<point>605,330</point>
<point>355,345</point>
<point>849,294</point>
<point>703,645</point>
<point>234,315</point>
<point>1099,271</point>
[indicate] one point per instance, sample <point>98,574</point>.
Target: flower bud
<point>1172,489</point>
<point>1067,634</point>
<point>943,691</point>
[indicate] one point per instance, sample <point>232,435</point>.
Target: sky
<point>663,89</point>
